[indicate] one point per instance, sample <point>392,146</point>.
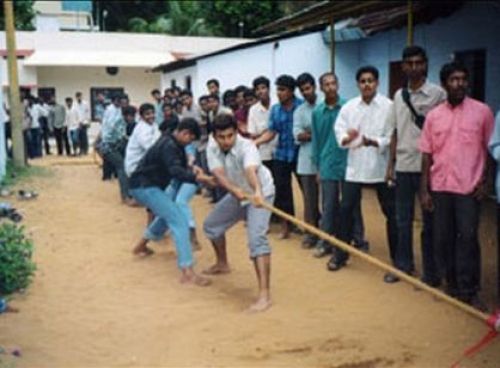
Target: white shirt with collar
<point>425,98</point>
<point>242,155</point>
<point>71,117</point>
<point>366,164</point>
<point>83,110</point>
<point>258,122</point>
<point>142,138</point>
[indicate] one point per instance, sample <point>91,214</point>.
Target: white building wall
<point>27,75</point>
<point>67,80</point>
<point>293,56</point>
<point>180,79</point>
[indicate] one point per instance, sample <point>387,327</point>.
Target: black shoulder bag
<point>417,118</point>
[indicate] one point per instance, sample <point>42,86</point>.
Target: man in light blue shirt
<point>494,148</point>
<point>114,142</point>
<point>158,106</point>
<point>306,167</point>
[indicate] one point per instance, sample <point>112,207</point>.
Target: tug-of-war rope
<point>492,321</point>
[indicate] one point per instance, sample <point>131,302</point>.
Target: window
<point>188,82</point>
<point>396,77</point>
<point>173,83</point>
<point>46,93</point>
<point>475,62</point>
<point>107,92</point>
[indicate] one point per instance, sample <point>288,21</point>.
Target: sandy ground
<point>94,305</point>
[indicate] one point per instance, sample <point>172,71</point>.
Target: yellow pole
<point>409,40</point>
<point>16,109</point>
<point>332,45</point>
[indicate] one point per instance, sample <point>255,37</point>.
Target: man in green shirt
<point>331,161</point>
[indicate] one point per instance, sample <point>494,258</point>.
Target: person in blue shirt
<point>286,152</point>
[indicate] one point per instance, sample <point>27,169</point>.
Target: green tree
<point>240,18</point>
<point>228,18</point>
<point>182,18</point>
<point>23,14</point>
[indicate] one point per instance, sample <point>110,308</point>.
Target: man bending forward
<point>235,163</point>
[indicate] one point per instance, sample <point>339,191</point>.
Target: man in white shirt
<point>83,109</point>
<point>143,137</point>
<point>36,111</point>
<point>236,164</point>
<point>258,120</point>
<point>363,129</point>
<point>72,124</point>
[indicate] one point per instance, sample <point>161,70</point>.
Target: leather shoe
<point>390,278</point>
<point>322,251</point>
<point>334,265</point>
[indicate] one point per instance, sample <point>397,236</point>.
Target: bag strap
<point>418,119</point>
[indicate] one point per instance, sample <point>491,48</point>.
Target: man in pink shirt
<point>454,144</point>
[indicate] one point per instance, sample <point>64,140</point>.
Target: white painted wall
<point>180,78</point>
<point>67,80</point>
<point>27,75</point>
<point>290,56</point>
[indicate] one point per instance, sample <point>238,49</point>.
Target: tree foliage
<point>23,15</point>
<point>202,18</point>
<point>16,267</point>
<point>182,18</point>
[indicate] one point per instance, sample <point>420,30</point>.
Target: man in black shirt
<point>164,161</point>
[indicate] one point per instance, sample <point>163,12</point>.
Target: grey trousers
<point>310,192</point>
<point>228,211</point>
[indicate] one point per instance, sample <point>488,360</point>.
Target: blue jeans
<point>171,215</point>
<point>75,140</point>
<point>407,187</point>
<point>181,194</point>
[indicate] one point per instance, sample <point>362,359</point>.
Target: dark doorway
<point>475,62</point>
<point>396,77</point>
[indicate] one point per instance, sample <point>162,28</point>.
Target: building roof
<point>191,60</point>
<point>112,48</point>
<point>382,11</point>
<point>371,17</point>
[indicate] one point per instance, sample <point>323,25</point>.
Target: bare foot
<point>142,250</point>
<point>262,304</point>
<point>10,309</point>
<point>195,280</point>
<point>284,235</point>
<point>217,269</point>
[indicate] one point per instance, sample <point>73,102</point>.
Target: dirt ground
<point>92,304</point>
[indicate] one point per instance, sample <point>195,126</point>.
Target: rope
<point>379,264</point>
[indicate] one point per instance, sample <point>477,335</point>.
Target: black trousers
<point>62,141</point>
<point>45,135</point>
<point>282,173</point>
<point>84,139</point>
<point>351,198</point>
<point>498,253</point>
<point>456,243</point>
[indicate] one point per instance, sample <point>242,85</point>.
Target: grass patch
<point>15,174</point>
